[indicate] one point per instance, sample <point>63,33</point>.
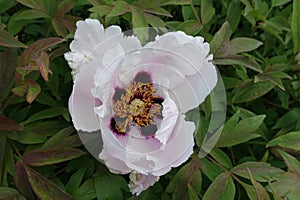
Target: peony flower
<point>138,96</point>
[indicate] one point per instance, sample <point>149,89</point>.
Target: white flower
<point>137,97</point>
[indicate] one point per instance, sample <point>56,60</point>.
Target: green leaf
<point>7,124</point>
<point>259,189</point>
<point>222,36</point>
<point>211,170</point>
<point>45,114</point>
<point>120,8</point>
<point>7,40</point>
<point>49,156</point>
<point>234,14</point>
<point>155,22</point>
<point>86,191</point>
<point>261,171</point>
<point>249,91</point>
<point>239,45</point>
<point>60,138</point>
<point>44,188</point>
<point>289,120</point>
<point>207,11</point>
<point>295,25</point>
<point>139,25</point>
<point>2,153</point>
<point>175,2</point>
<point>221,158</point>
<point>290,140</point>
<point>241,132</point>
<point>75,180</point>
<point>190,27</point>
<point>222,188</point>
<point>8,64</point>
<point>31,14</point>
<point>188,175</point>
<point>108,186</point>
<point>245,61</point>
<point>279,2</point>
<point>287,184</point>
<point>7,193</point>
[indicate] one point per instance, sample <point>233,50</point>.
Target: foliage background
<point>256,48</point>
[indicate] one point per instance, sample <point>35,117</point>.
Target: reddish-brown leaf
<point>36,48</point>
<point>44,188</point>
<point>33,90</point>
<point>21,181</point>
<point>49,156</point>
<point>7,124</point>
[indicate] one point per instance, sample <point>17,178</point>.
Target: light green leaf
<point>279,2</point>
<point>290,140</point>
<point>207,11</point>
<point>190,27</point>
<point>120,8</point>
<point>295,25</point>
<point>175,2</point>
<point>139,25</point>
<point>261,171</point>
<point>7,40</point>
<point>222,36</point>
<point>31,14</point>
<point>249,91</point>
<point>222,188</point>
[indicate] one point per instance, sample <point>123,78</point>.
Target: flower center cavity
<point>137,105</point>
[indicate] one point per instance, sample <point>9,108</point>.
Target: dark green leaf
<point>108,186</point>
<point>7,193</point>
<point>86,191</point>
<point>8,63</point>
<point>45,114</point>
<point>49,156</point>
<point>279,2</point>
<point>234,14</point>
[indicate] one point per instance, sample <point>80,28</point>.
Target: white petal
<point>92,41</point>
<point>114,165</point>
<point>177,150</point>
<point>90,44</point>
<point>170,115</point>
<point>195,88</point>
<point>186,48</point>
<point>82,102</point>
<point>140,182</point>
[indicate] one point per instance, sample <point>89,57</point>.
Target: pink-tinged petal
<point>81,102</point>
<point>195,88</point>
<point>114,165</point>
<point>170,115</point>
<point>92,41</point>
<point>177,150</point>
<point>187,48</point>
<point>140,182</point>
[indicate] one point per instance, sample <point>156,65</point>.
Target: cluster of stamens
<point>137,105</point>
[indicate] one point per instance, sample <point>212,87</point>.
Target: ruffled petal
<point>82,102</point>
<point>140,182</point>
<point>195,88</point>
<point>88,48</point>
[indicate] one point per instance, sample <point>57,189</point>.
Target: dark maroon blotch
<point>143,77</point>
<point>118,93</point>
<point>148,130</point>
